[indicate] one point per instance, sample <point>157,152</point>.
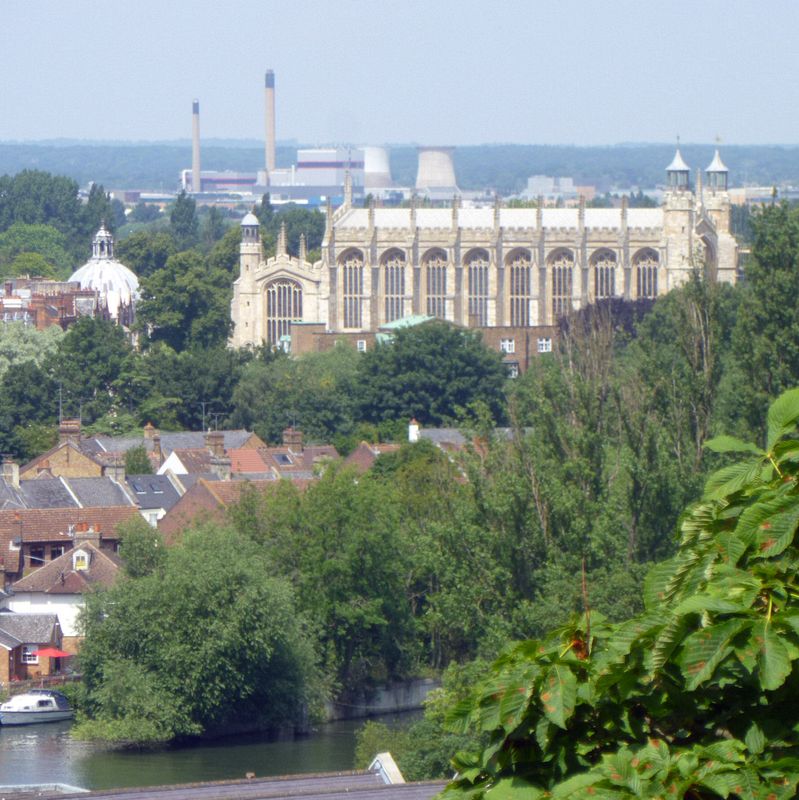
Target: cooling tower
<point>377,172</point>
<point>435,168</point>
<point>269,98</point>
<point>196,185</point>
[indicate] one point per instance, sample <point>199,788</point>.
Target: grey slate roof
<point>178,440</point>
<point>16,629</point>
<point>443,436</point>
<point>99,492</point>
<point>327,786</point>
<point>9,496</point>
<point>48,493</point>
<point>153,491</point>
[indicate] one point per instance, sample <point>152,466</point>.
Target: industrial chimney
<point>376,169</point>
<point>269,96</point>
<point>436,170</point>
<point>196,185</point>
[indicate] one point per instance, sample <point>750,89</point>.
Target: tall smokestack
<point>269,89</point>
<point>196,185</point>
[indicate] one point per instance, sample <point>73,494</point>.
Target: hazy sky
<point>381,71</point>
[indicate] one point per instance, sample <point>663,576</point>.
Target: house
<point>58,587</point>
<point>20,636</point>
<point>296,460</point>
<point>154,494</point>
<point>29,538</point>
<point>363,457</point>
<point>208,500</point>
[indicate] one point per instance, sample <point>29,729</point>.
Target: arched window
<point>394,284</point>
<point>477,268</point>
<point>283,306</point>
<point>436,274</point>
<point>646,264</point>
<point>521,266</point>
<point>604,264</point>
<point>352,284</point>
<point>561,265</point>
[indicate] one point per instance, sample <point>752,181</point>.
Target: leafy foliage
<point>680,701</point>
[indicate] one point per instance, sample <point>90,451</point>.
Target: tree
<point>28,403</point>
<point>685,699</point>
<point>91,356</point>
<point>195,644</point>
<point>185,303</point>
<point>19,343</point>
<point>183,221</point>
<point>141,547</point>
<point>213,227</point>
<point>45,241</point>
<point>145,252</point>
<point>432,372</point>
<point>144,212</point>
<point>137,461</point>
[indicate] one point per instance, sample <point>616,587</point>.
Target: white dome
<point>250,219</point>
<point>116,284</point>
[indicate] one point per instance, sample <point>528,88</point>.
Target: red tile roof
<point>59,577</point>
<point>365,455</point>
<point>246,459</point>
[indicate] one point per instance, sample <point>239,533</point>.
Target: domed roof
<point>250,219</point>
<point>677,164</point>
<point>717,165</point>
<point>117,285</point>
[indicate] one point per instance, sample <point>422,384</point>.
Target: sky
<point>430,72</point>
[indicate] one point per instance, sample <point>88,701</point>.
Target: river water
<point>48,754</point>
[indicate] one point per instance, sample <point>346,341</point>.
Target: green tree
<point>684,700</point>
<point>145,252</point>
<point>144,212</point>
<point>28,402</point>
<point>185,303</point>
<point>196,644</point>
<point>183,221</point>
<point>137,462</point>
<point>432,372</point>
<point>44,240</point>
<point>141,547</point>
<point>20,343</point>
<point>213,227</point>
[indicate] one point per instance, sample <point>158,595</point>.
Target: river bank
<point>47,753</point>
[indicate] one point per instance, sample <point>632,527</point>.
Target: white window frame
<point>360,345</point>
<point>545,344</point>
<point>507,346</point>
<point>27,656</point>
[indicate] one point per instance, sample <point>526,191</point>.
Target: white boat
<point>37,705</point>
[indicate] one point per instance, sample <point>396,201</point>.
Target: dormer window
<point>80,560</point>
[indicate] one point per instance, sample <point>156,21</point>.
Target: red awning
<point>51,652</point>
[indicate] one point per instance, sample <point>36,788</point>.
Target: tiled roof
<point>246,459</point>
<point>47,493</point>
<point>177,440</point>
<point>441,436</point>
<point>286,461</point>
<point>365,455</point>
<point>46,456</point>
<point>195,459</point>
<point>59,577</point>
<point>52,525</point>
<point>27,628</point>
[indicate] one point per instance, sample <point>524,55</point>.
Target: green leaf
<point>705,649</point>
<point>773,662</point>
<point>514,788</point>
<point>559,694</point>
<point>729,444</point>
<point>777,533</point>
<point>574,786</point>
<point>755,739</point>
<point>732,479</point>
<point>782,416</point>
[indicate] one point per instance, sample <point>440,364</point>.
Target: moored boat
<point>37,705</point>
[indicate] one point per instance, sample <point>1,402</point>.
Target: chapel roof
<point>678,164</point>
<point>716,165</point>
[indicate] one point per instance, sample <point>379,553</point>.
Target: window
<point>436,273</point>
<point>80,561</point>
<point>513,369</point>
<point>56,550</point>
<point>604,263</point>
<point>361,345</point>
<point>507,345</point>
<point>283,306</point>
<point>36,555</point>
<point>520,276</point>
<point>283,459</point>
<point>394,285</point>
<point>477,267</point>
<point>352,274</point>
<point>646,273</point>
<point>545,345</point>
<point>28,654</point>
<point>561,264</point>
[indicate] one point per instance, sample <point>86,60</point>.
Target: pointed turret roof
<point>717,165</point>
<point>677,164</point>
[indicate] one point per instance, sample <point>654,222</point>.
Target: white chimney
<point>413,431</point>
<point>269,97</point>
<point>196,183</point>
<point>436,170</point>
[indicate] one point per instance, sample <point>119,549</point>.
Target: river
<point>48,754</point>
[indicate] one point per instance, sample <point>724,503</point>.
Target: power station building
<point>503,270</point>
